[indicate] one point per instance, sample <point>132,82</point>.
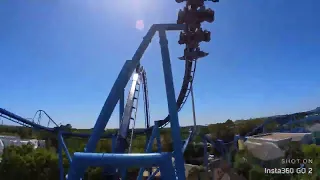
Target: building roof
<point>314,127</point>
<point>279,136</point>
<point>265,150</point>
<point>268,146</point>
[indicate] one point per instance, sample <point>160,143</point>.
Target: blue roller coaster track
<point>121,158</point>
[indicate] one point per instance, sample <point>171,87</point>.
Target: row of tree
<point>26,163</point>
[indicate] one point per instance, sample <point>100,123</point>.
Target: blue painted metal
<point>188,140</point>
<point>63,146</point>
<point>113,96</point>
<point>40,111</point>
<point>14,120</point>
<point>83,160</point>
<point>174,120</point>
<point>29,123</point>
<point>148,150</point>
<point>121,107</point>
<point>110,171</point>
<point>127,116</point>
<point>120,83</point>
<point>157,135</point>
<point>109,105</point>
<point>159,146</point>
<point>122,80</point>
<point>145,98</point>
<point>25,121</point>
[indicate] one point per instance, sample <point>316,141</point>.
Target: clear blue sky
<point>64,56</point>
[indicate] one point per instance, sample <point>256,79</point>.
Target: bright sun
<point>140,25</point>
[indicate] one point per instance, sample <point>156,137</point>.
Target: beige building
<point>281,139</point>
<point>270,148</point>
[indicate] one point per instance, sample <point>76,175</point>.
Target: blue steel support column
<point>64,147</point>
<point>115,94</point>
<point>148,150</point>
<point>174,120</point>
<point>109,105</point>
<point>82,160</point>
<point>157,135</point>
<point>149,136</point>
<point>166,168</point>
<point>123,173</point>
<point>60,157</point>
<point>109,171</point>
<point>114,142</point>
<point>121,107</point>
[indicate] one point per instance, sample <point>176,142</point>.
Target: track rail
<point>146,98</point>
<point>282,120</point>
<point>130,107</point>
<point>31,124</point>
<point>24,122</point>
<point>190,68</point>
<point>39,113</point>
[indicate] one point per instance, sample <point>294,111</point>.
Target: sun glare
<point>140,25</point>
